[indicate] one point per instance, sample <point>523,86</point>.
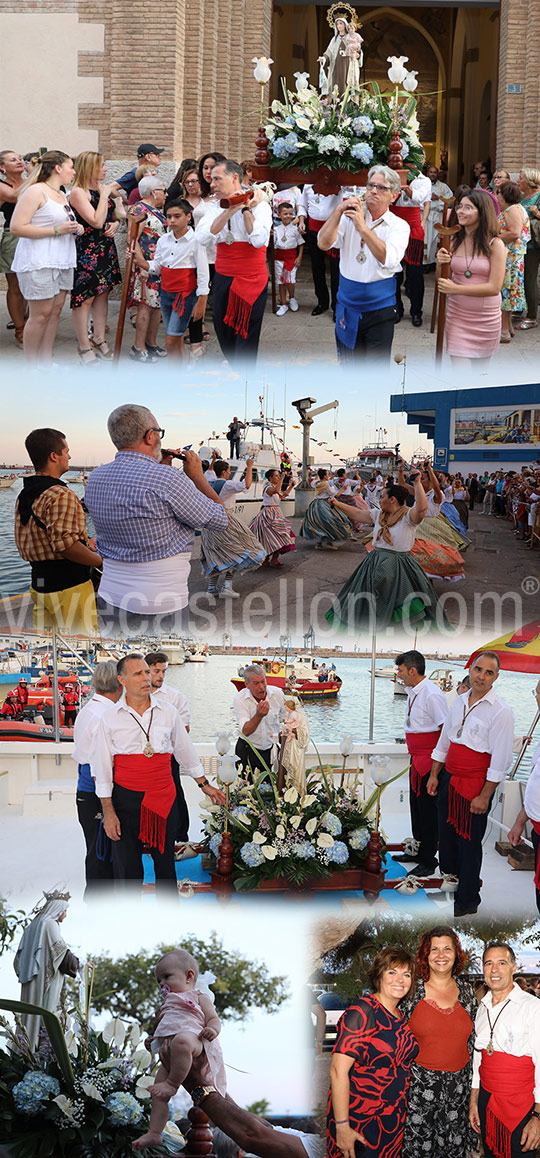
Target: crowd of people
<point>145,515</point>
<point>429,1063</point>
<point>203,242</point>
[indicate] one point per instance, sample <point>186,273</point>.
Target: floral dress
<point>513,293</point>
<point>97,269</point>
<point>383,1049</point>
<point>437,1124</point>
<point>154,227</point>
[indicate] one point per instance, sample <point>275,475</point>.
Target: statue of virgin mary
<point>343,58</point>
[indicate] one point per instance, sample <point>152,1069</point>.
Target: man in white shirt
<point>504,1107</point>
<point>427,710</point>
<point>242,232</point>
<point>313,211</point>
<point>531,810</point>
<point>371,245</point>
<point>475,747</point>
<point>157,662</point>
<point>131,763</point>
<point>413,207</point>
<point>107,691</point>
<point>257,709</point>
<point>435,215</point>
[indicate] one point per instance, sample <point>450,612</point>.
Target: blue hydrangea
<point>338,853</point>
<point>332,824</point>
<point>35,1089</point>
<point>404,149</point>
<point>305,850</point>
<point>251,854</point>
<point>291,143</point>
<point>124,1109</point>
<point>363,126</point>
<point>215,843</point>
<point>289,120</point>
<point>359,838</point>
<point>279,148</point>
<point>240,810</point>
<point>362,152</point>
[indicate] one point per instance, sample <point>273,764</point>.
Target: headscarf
<point>389,519</point>
<point>28,959</point>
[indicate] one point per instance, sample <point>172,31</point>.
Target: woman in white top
<point>269,526</point>
<point>390,585</point>
<point>46,255</point>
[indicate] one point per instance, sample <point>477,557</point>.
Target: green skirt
<point>387,587</point>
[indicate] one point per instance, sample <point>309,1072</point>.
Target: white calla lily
<point>135,1034</point>
<point>280,832</point>
<point>303,123</point>
<point>290,796</point>
<point>91,1091</point>
<point>307,800</point>
<point>269,851</point>
<point>143,1085</point>
<point>258,838</point>
<point>325,840</point>
<point>311,825</point>
<point>65,1105</point>
<point>115,1032</point>
<point>295,821</point>
<point>142,1058</point>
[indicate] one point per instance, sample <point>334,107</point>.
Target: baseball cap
<point>144,149</point>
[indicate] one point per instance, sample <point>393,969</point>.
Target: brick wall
<point>518,123</point>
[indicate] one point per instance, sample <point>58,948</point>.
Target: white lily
<point>303,123</point>
<point>142,1058</point>
<point>269,851</point>
<point>143,1085</point>
<point>307,800</point>
<point>115,1032</point>
<point>295,821</point>
<point>135,1034</point>
<point>91,1091</point>
<point>311,825</point>
<point>280,832</point>
<point>325,840</point>
<point>290,796</point>
<point>65,1105</point>
<point>258,838</point>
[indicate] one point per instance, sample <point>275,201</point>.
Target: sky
<point>204,400</point>
<point>266,1056</point>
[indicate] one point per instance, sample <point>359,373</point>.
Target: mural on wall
<point>513,426</point>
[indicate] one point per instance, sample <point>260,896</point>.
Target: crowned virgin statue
<point>343,59</point>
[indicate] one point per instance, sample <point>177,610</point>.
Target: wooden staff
<point>447,202</point>
<point>444,231</point>
<point>135,216</point>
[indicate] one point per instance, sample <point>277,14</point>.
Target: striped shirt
<point>61,512</point>
<point>143,510</point>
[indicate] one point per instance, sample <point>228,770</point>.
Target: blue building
<point>495,427</point>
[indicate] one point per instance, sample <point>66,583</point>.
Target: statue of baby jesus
<point>353,45</point>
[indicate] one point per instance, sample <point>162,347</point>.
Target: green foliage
<point>127,986</point>
<point>10,924</point>
<point>260,1108</point>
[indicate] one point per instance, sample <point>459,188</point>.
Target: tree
<point>260,1108</point>
<point>10,924</point>
<point>127,986</point>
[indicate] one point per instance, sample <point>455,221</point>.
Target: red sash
<point>468,770</point>
<point>247,267</point>
<point>536,826</point>
<point>510,1082</point>
<point>288,258</point>
<point>420,745</point>
<point>179,281</point>
<point>151,775</point>
<point>315,225</point>
<point>415,249</point>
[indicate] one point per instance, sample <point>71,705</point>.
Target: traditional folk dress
<point>271,528</point>
<point>131,764</point>
<point>235,549</point>
<point>389,585</point>
<point>321,521</point>
<point>475,745</point>
<point>506,1069</point>
<point>98,860</point>
<point>383,1048</point>
<point>241,279</point>
<point>315,209</point>
<point>427,710</point>
<point>287,238</point>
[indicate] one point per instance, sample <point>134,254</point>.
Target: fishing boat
<point>7,481</point>
<point>196,653</point>
<point>174,650</point>
<point>297,676</point>
<point>442,676</point>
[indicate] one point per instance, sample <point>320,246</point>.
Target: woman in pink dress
<point>477,267</point>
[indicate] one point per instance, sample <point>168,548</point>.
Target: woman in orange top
<point>441,1015</point>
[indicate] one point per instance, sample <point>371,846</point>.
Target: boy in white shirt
<point>288,248</point>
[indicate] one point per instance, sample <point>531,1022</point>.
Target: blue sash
<point>355,298</point>
<point>86,782</point>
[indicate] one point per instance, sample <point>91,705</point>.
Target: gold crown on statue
<point>55,895</point>
<point>343,12</point>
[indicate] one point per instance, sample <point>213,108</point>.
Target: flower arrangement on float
<point>79,1093</point>
<point>350,131</point>
<point>299,836</point>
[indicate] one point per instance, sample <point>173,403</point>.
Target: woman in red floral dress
<point>369,1072</point>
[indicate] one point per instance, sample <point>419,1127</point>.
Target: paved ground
<point>499,592</point>
<point>297,339</point>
